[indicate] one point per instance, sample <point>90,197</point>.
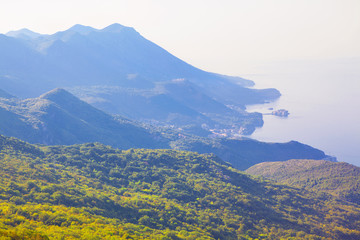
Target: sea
<point>323,99</point>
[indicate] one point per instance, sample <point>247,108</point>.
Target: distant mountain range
<point>58,117</point>
<point>337,178</point>
<point>121,72</point>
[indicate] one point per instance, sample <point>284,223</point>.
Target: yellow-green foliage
<point>340,179</point>
<point>92,191</point>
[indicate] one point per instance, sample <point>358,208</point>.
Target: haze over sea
<point>323,98</point>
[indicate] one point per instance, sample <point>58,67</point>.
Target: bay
<point>323,98</point>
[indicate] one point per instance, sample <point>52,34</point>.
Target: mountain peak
<point>56,94</point>
<point>23,33</point>
<point>81,29</point>
<point>116,27</point>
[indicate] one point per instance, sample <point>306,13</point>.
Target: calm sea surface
<point>323,99</point>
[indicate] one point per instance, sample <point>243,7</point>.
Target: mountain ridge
<point>337,178</point>
<point>58,117</point>
<point>23,33</point>
<point>87,61</point>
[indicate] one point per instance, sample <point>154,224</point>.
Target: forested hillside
<point>337,178</point>
<point>92,191</point>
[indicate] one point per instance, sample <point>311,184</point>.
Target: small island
<point>280,113</point>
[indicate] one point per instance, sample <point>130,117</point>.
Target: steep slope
<point>337,178</point>
<point>123,51</point>
<point>92,191</point>
<point>4,94</point>
<point>142,105</point>
<point>22,68</point>
<point>178,102</point>
<point>58,117</point>
<point>100,65</point>
<point>87,56</point>
<point>244,153</point>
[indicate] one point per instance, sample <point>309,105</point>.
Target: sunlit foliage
<point>92,191</point>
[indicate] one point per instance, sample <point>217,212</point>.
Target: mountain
<point>244,153</point>
<point>178,103</point>
<point>121,72</point>
<point>58,117</point>
<point>108,56</point>
<point>4,94</point>
<point>337,178</point>
<point>24,34</point>
<point>92,191</point>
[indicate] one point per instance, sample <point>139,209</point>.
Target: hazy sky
<point>224,36</point>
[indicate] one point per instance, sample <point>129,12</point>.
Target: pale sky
<point>224,36</point>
